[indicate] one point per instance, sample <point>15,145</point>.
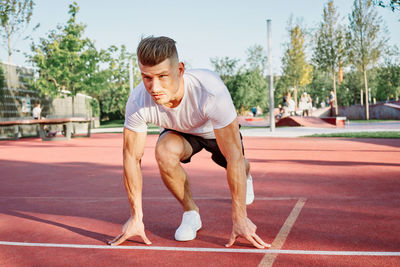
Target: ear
<point>181,68</point>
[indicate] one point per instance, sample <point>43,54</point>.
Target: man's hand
<point>247,229</point>
<point>132,227</point>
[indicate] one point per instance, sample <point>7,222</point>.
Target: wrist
<point>136,216</point>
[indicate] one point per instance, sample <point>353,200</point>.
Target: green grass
<point>112,124</point>
<point>370,121</point>
<point>388,135</point>
<point>120,123</point>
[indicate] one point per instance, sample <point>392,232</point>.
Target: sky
<point>202,29</point>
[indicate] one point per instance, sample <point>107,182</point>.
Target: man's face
<point>164,82</point>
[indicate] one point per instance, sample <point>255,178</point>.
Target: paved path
<point>300,131</point>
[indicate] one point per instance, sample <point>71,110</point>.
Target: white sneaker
<point>249,190</point>
<point>190,224</point>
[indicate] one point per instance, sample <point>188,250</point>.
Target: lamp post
<point>271,79</point>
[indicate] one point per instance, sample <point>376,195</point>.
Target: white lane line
<point>148,198</point>
<point>224,250</point>
<point>277,244</point>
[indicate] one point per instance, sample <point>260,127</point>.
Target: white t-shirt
<point>206,105</point>
<point>36,112</point>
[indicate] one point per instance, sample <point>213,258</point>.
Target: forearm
<point>236,175</point>
<point>133,185</point>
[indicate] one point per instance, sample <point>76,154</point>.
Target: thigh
<point>216,155</point>
<point>172,143</point>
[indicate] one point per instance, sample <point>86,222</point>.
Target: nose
<point>155,86</point>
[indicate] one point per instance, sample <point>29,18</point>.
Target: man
<point>195,111</point>
<point>36,111</point>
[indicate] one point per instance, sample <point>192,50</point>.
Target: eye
<point>163,76</point>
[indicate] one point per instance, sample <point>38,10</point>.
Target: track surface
<point>320,202</point>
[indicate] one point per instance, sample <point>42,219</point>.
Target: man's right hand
<point>133,227</point>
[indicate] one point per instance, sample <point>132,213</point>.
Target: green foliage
<point>15,15</point>
<point>319,87</point>
<point>249,89</point>
<point>247,84</point>
<point>225,67</point>
<point>330,41</point>
<point>256,58</point>
<point>112,82</point>
<point>349,89</point>
<point>296,71</point>
<point>388,81</point>
<point>95,105</point>
<point>394,5</point>
<point>365,43</point>
<point>389,135</point>
<point>66,61</point>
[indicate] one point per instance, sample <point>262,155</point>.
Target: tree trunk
<point>9,43</point>
<point>295,98</point>
<point>335,105</point>
<point>73,114</point>
<point>73,105</point>
<point>366,95</point>
<point>362,97</point>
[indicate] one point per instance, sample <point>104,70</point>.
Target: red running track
<point>319,201</point>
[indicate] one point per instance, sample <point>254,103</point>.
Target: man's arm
<point>228,139</point>
<point>133,149</point>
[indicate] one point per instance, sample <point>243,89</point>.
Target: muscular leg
<point>171,148</point>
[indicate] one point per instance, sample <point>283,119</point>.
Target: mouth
<point>157,96</point>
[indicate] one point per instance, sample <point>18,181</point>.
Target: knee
<point>167,155</point>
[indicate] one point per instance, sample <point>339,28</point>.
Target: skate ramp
<point>305,122</point>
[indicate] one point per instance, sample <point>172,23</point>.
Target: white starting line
<point>192,249</point>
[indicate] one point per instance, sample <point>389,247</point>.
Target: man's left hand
<point>247,229</point>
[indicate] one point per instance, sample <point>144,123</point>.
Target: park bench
<point>42,123</point>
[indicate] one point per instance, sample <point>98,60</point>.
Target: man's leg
<point>171,148</point>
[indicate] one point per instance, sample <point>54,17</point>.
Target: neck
<point>177,99</point>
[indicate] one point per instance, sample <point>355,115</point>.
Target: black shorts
<point>198,143</point>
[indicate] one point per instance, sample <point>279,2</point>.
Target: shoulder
<point>204,76</point>
<point>206,80</point>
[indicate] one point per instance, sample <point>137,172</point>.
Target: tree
<point>248,89</point>
<point>225,67</point>
<point>111,86</point>
<point>247,83</point>
<point>328,53</point>
<point>15,15</point>
<point>365,45</point>
<point>388,80</point>
<point>257,58</point>
<point>65,60</point>
<point>319,86</point>
<point>392,4</point>
<point>296,71</point>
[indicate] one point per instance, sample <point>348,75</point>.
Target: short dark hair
<point>154,50</point>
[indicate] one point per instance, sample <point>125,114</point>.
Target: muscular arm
<point>228,139</point>
<point>132,153</point>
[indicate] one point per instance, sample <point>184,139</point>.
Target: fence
<point>17,100</point>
